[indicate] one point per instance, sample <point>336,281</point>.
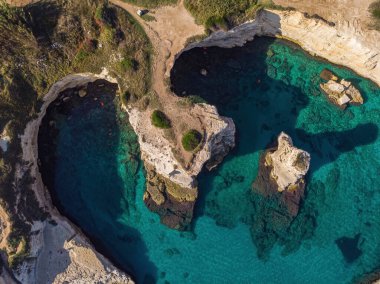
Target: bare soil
<point>168,33</point>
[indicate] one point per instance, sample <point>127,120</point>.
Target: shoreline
<point>29,137</point>
<point>71,239</point>
<point>312,35</point>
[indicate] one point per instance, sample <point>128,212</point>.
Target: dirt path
<point>168,33</point>
<point>172,26</point>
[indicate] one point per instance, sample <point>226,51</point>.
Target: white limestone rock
<point>156,149</point>
<point>346,46</point>
<point>290,164</point>
<point>341,93</point>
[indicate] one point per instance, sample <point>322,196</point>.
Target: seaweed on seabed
<point>270,221</point>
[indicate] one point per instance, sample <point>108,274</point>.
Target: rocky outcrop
<point>173,203</point>
<point>282,173</point>
<point>276,196</point>
<point>56,243</point>
<point>172,186</point>
<point>156,149</point>
<point>340,92</point>
<point>342,45</point>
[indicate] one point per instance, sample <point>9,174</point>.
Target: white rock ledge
<point>156,149</point>
<point>344,46</point>
<point>60,253</point>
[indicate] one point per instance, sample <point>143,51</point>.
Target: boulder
<point>282,174</point>
<point>340,92</point>
<point>82,93</point>
<point>171,202</point>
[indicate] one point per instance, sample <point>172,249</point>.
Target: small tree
<point>160,120</point>
<point>191,139</point>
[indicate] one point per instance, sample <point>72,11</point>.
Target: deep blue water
<point>266,87</point>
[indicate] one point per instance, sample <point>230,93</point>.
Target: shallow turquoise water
<point>99,184</point>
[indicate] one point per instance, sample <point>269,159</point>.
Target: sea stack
<point>282,173</point>
<point>339,91</point>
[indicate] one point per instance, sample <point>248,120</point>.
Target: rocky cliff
<point>171,184</point>
<point>56,243</point>
<point>343,45</point>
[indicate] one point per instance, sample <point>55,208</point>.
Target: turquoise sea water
<point>266,87</point>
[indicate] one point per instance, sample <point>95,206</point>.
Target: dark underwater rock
<point>176,214</point>
<point>349,248</point>
<point>276,210</point>
<point>328,75</point>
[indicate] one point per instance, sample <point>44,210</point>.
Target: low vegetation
<point>219,13</point>
<point>151,3</point>
<point>223,14</point>
<point>375,11</point>
<point>160,120</point>
<point>191,139</point>
<point>39,44</point>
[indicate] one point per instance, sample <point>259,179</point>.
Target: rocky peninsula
<point>171,181</point>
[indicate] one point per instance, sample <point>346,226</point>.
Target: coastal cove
<point>267,86</point>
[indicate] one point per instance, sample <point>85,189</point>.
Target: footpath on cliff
<point>168,32</point>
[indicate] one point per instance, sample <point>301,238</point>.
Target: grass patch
<point>374,8</point>
<point>216,23</point>
<point>160,120</point>
<point>151,3</point>
<point>148,18</point>
<point>129,64</point>
<point>224,12</point>
<point>191,139</point>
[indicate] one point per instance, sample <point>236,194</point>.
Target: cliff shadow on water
<point>89,161</point>
<point>266,86</point>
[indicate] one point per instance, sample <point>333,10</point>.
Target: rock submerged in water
<point>340,92</point>
<point>170,201</point>
<point>282,173</point>
<point>276,196</point>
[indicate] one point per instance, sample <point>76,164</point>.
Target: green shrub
<point>375,9</point>
<point>215,10</point>
<point>81,55</point>
<point>99,12</point>
<point>125,98</point>
<point>196,100</point>
<point>108,34</point>
<point>148,18</point>
<point>191,139</point>
<point>151,3</point>
<point>215,22</point>
<point>129,64</point>
<point>160,120</point>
